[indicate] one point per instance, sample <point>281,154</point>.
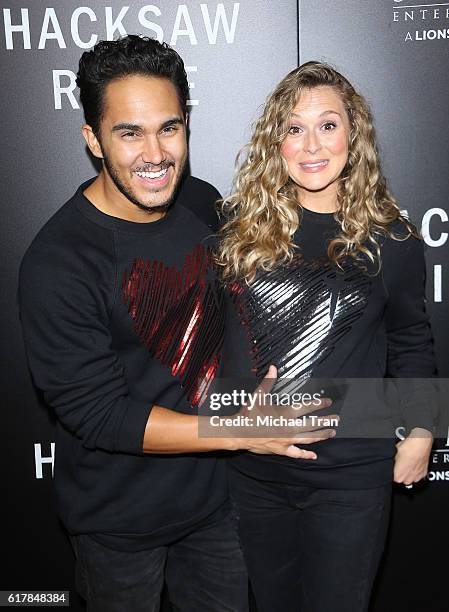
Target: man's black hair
<point>132,54</point>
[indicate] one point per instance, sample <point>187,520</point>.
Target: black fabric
<point>313,320</point>
<point>118,316</point>
<point>204,570</point>
<point>310,549</point>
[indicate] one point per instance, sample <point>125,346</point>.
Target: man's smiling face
<point>143,140</point>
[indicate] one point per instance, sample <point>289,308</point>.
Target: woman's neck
<point>318,201</point>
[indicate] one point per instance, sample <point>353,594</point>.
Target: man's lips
<point>314,165</point>
<point>154,177</point>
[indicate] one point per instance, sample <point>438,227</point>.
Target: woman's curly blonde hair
<point>263,214</point>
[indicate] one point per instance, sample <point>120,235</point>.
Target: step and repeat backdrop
<point>394,51</point>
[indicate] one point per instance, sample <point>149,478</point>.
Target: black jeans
<point>310,550</point>
<point>204,571</point>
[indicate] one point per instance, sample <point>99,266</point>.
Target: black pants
<point>204,571</point>
<point>310,550</point>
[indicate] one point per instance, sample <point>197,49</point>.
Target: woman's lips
<point>314,166</point>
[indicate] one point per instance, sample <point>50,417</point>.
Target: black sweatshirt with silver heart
<point>351,328</point>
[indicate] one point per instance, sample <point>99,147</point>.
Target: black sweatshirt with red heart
<point>119,316</point>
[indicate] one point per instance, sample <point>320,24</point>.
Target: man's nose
<point>152,152</point>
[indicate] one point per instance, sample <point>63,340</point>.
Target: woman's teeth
<point>315,164</point>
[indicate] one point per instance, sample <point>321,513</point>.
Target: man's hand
<point>171,432</point>
<point>412,457</point>
<point>282,440</point>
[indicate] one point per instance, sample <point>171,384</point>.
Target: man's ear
<point>92,141</point>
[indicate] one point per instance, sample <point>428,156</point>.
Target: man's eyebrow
<point>132,127</point>
<point>172,121</point>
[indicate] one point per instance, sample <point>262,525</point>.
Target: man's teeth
<point>152,175</point>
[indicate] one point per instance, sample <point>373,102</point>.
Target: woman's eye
<point>329,126</point>
<point>294,129</point>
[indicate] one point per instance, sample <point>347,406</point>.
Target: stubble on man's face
<point>143,140</point>
<point>132,197</point>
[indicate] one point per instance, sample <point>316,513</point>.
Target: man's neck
<point>105,196</point>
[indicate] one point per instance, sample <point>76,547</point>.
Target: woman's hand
<point>412,457</point>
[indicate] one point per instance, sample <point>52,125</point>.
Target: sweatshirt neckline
<point>88,209</point>
<point>318,217</point>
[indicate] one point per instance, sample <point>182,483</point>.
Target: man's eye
<point>329,126</point>
<point>129,134</point>
<point>169,129</point>
<point>294,129</point>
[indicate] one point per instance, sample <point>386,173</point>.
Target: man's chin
<point>162,204</point>
<point>156,207</point>
<point>152,209</point>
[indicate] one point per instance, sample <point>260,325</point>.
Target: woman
<point>328,282</point>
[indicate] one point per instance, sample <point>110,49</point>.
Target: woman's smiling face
<point>316,146</point>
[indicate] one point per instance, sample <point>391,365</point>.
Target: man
<point>123,322</point>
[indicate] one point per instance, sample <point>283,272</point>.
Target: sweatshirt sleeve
<point>201,199</point>
<point>410,353</point>
<point>64,317</point>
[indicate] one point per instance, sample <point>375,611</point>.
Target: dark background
<point>384,52</point>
